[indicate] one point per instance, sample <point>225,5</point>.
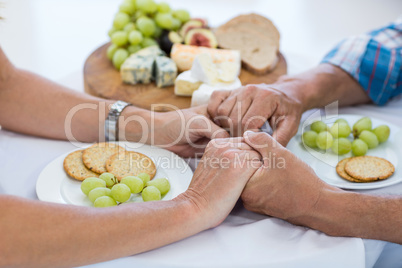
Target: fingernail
<point>249,132</point>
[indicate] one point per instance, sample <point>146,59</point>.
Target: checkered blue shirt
<point>374,60</point>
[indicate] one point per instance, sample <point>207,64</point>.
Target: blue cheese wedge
<point>150,51</point>
<point>165,71</point>
<point>137,69</point>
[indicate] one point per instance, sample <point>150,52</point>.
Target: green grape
<point>120,20</point>
<point>309,138</point>
<point>382,132</point>
<point>133,49</point>
<point>119,38</point>
<point>104,201</point>
<point>135,37</point>
<point>162,184</point>
<point>139,14</point>
<point>151,193</point>
<point>111,50</point>
<point>134,183</point>
<point>341,146</point>
<point>324,140</point>
<point>111,31</point>
<point>164,20</point>
<point>109,178</point>
<point>121,192</point>
<point>182,15</point>
<point>362,124</point>
<point>98,192</point>
<point>359,147</point>
<point>147,42</point>
<point>164,7</point>
<point>319,126</point>
<point>144,177</point>
<point>119,57</point>
<point>146,26</point>
<point>176,24</point>
<point>127,7</point>
<point>129,27</point>
<point>341,120</point>
<point>148,6</point>
<point>91,183</point>
<point>370,138</point>
<point>340,130</point>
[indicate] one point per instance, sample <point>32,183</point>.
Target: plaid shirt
<point>374,60</point>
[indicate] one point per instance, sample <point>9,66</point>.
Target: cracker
<point>340,169</point>
<point>75,168</point>
<point>130,163</point>
<point>95,156</point>
<point>369,168</point>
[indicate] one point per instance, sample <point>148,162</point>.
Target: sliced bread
<point>256,37</point>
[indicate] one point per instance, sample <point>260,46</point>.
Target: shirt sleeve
<point>374,60</point>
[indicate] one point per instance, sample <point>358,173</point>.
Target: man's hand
<point>220,177</point>
<point>285,186</point>
<point>186,132</point>
<point>249,107</point>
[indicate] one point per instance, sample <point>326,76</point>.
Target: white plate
<point>54,185</point>
<point>324,163</point>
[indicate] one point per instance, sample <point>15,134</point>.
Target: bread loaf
<point>257,39</point>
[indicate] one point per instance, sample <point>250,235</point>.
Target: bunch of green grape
<point>337,137</point>
<point>106,191</point>
<point>138,24</point>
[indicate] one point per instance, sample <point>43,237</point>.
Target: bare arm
<point>40,234</point>
<point>294,193</point>
<point>33,105</point>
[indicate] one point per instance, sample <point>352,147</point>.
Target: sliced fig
<point>201,38</point>
<point>191,24</point>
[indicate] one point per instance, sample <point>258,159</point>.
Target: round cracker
<point>75,168</point>
<point>95,156</point>
<point>130,163</point>
<point>340,169</point>
<point>369,168</point>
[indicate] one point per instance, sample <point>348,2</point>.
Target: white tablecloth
<point>53,38</point>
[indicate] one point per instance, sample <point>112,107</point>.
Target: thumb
<point>261,142</point>
<point>284,131</point>
<point>216,132</point>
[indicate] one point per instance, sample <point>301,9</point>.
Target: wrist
<point>135,125</point>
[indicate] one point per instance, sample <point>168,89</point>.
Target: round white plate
<point>54,185</point>
<point>324,163</point>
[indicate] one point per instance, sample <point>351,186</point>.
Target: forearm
<point>50,235</point>
<point>321,86</point>
<point>341,213</point>
<point>33,105</point>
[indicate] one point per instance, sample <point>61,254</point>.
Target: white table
<point>53,38</point>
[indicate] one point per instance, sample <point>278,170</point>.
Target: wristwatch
<point>112,120</point>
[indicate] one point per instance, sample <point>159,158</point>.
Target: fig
<point>201,37</point>
<point>203,21</point>
<point>167,39</point>
<point>191,24</point>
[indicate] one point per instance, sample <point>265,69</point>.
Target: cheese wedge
<point>204,92</point>
<point>185,84</point>
<point>204,69</point>
<point>184,55</point>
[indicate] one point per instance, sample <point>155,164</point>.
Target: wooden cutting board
<point>101,79</point>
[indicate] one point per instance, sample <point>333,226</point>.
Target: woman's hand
<point>220,177</point>
<point>186,132</point>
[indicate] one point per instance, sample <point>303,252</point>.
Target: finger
<point>261,142</point>
<point>258,113</point>
<point>224,111</point>
<point>284,129</point>
<point>217,97</point>
<point>237,114</point>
